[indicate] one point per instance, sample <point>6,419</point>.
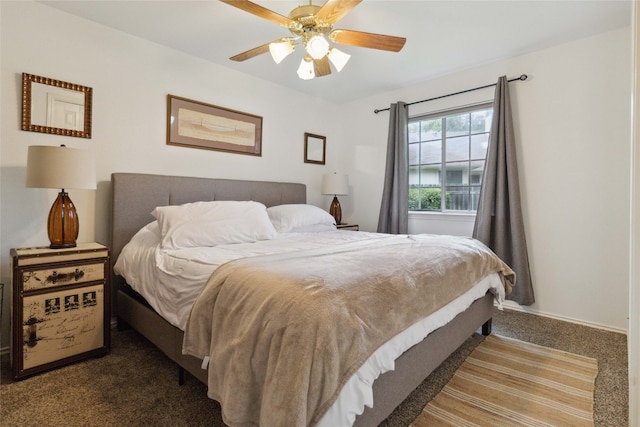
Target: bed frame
<point>134,196</point>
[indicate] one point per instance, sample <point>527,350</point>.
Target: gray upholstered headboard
<point>134,196</point>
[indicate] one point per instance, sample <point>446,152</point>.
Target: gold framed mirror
<point>315,148</point>
<point>57,107</point>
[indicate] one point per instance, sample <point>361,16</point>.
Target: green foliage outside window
<point>426,199</point>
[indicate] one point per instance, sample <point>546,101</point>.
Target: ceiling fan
<point>311,26</point>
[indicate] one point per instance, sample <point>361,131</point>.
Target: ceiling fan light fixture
<point>317,46</point>
<point>338,58</point>
<point>280,50</point>
<point>311,27</point>
<point>306,70</point>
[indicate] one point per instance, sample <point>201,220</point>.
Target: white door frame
<point>634,250</point>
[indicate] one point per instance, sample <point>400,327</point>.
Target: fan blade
<point>370,40</point>
<point>333,10</point>
<point>260,11</point>
<point>251,53</point>
<point>321,66</point>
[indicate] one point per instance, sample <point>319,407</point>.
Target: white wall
<point>131,78</point>
<point>572,119</point>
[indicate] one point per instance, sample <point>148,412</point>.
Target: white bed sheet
<point>171,280</point>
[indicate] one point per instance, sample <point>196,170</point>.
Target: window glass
<point>414,132</point>
<point>457,148</point>
<point>457,125</point>
<point>431,152</point>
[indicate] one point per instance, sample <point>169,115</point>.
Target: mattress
<point>170,280</point>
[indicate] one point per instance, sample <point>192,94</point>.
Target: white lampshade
<point>306,70</point>
<point>280,50</point>
<point>60,167</point>
<point>335,184</point>
<point>317,46</point>
<point>338,58</point>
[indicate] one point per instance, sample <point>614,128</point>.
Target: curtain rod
<point>523,77</point>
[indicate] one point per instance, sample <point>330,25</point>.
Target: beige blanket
<point>284,332</point>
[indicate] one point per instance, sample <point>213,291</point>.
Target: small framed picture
<point>315,148</point>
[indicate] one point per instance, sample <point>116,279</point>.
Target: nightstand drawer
<point>41,279</point>
<point>63,324</point>
<point>42,255</point>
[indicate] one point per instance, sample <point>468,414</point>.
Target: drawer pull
<point>65,277</point>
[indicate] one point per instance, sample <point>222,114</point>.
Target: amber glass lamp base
<point>63,225</point>
<point>335,210</point>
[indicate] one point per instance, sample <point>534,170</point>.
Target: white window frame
<point>443,184</point>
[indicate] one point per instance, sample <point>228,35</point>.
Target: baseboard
<point>514,306</point>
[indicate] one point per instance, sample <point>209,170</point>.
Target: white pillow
<point>290,218</point>
<point>213,223</point>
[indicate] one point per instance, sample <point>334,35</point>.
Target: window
<point>447,153</point>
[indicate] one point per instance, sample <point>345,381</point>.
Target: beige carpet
<point>136,385</point>
<point>506,382</point>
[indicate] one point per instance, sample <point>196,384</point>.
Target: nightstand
<point>349,227</point>
<point>60,310</point>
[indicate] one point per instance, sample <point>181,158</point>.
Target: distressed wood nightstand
<point>350,227</point>
<point>60,310</point>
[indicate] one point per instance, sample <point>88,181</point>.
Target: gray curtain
<point>394,210</point>
<point>499,222</point>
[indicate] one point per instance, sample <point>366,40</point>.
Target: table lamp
<point>61,167</point>
<point>338,185</point>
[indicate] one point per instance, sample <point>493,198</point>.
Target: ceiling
<point>442,36</point>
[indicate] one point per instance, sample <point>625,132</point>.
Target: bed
<point>135,196</point>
